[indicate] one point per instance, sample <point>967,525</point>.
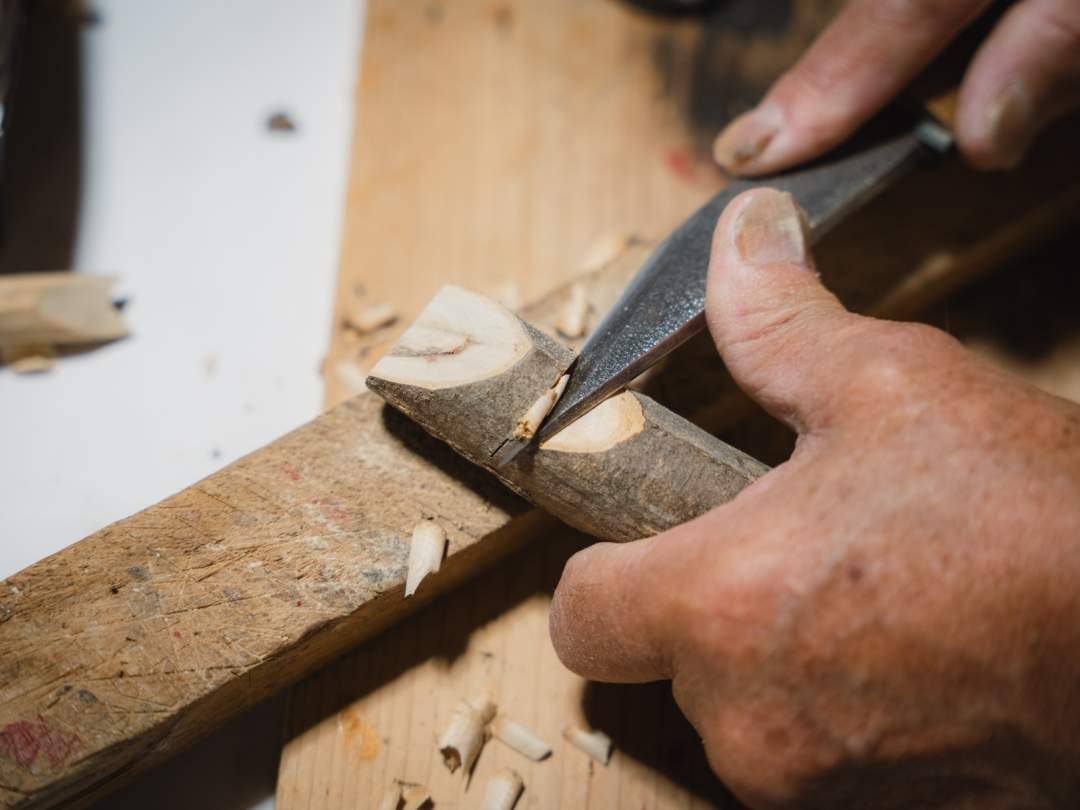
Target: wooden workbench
<point>496,141</point>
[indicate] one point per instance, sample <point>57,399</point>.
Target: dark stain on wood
<point>739,49</point>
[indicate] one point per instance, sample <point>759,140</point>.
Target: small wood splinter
<point>605,249</point>
<point>391,800</point>
<point>574,320</point>
<point>520,737</point>
<point>529,423</point>
<point>503,790</point>
<point>462,740</point>
<point>371,319</point>
<point>596,744</point>
<point>425,554</point>
<point>415,797</point>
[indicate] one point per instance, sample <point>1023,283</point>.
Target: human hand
<point>891,618</point>
<point>1026,74</point>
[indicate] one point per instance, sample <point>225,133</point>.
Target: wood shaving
<point>528,424</point>
<point>466,733</point>
<point>520,737</point>
<point>503,790</point>
<point>366,320</point>
<point>426,552</point>
<point>596,744</point>
<point>605,249</point>
<point>574,320</point>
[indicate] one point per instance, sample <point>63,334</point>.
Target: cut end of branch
<point>596,744</point>
<point>425,554</point>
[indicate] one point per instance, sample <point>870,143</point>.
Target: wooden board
<point>574,148</point>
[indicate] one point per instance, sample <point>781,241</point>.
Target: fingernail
<point>772,229</point>
<point>1008,125</point>
<point>746,138</point>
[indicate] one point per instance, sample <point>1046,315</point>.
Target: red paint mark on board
<point>680,163</point>
<point>23,741</point>
<point>330,510</point>
<point>176,633</point>
<point>299,603</point>
<point>292,472</point>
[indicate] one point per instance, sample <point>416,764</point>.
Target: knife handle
<point>938,88</point>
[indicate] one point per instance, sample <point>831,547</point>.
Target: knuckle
<point>894,357</point>
<point>921,12</point>
<point>1062,23</point>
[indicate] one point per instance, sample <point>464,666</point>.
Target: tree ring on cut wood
<point>459,338</point>
<point>610,423</point>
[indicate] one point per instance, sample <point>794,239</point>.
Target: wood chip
<point>57,309</point>
<point>351,375</point>
<point>520,737</point>
<point>503,790</point>
<point>35,359</point>
<point>425,554</point>
<point>605,249</point>
<point>392,798</point>
<point>528,424</point>
<point>415,797</point>
<point>466,733</point>
<point>596,744</point>
<point>574,320</point>
<point>368,319</point>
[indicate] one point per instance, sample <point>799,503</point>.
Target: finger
<point>780,332</point>
<point>1024,76</point>
<point>867,55</point>
<point>610,617</point>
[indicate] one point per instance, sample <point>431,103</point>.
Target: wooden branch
<point>57,309</point>
<point>468,371</point>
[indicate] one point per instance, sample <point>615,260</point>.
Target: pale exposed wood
<point>425,554</point>
<point>57,309</point>
<point>520,737</point>
<point>503,790</point>
<point>593,742</point>
<point>632,470</point>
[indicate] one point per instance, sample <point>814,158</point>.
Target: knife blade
<point>664,305</point>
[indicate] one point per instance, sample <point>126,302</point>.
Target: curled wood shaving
<point>503,790</point>
<point>425,554</point>
<point>466,733</point>
<point>391,798</point>
<point>574,320</point>
<point>366,320</point>
<point>520,737</point>
<point>605,249</point>
<point>596,744</point>
<point>528,424</point>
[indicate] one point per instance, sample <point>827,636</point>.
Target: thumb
<point>610,615</point>
<point>778,329</point>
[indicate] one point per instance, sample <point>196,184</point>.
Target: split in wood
<point>503,790</point>
<point>425,554</point>
<point>529,423</point>
<point>520,737</point>
<point>596,744</point>
<point>466,734</point>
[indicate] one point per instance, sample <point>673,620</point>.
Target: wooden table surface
<point>496,141</point>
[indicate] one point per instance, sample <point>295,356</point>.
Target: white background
<point>225,239</point>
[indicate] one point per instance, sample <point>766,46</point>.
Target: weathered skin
<point>1025,75</point>
<point>892,617</point>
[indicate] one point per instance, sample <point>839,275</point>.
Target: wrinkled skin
<point>892,617</point>
<point>1025,75</point>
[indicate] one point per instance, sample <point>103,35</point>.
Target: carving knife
<point>664,305</point>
